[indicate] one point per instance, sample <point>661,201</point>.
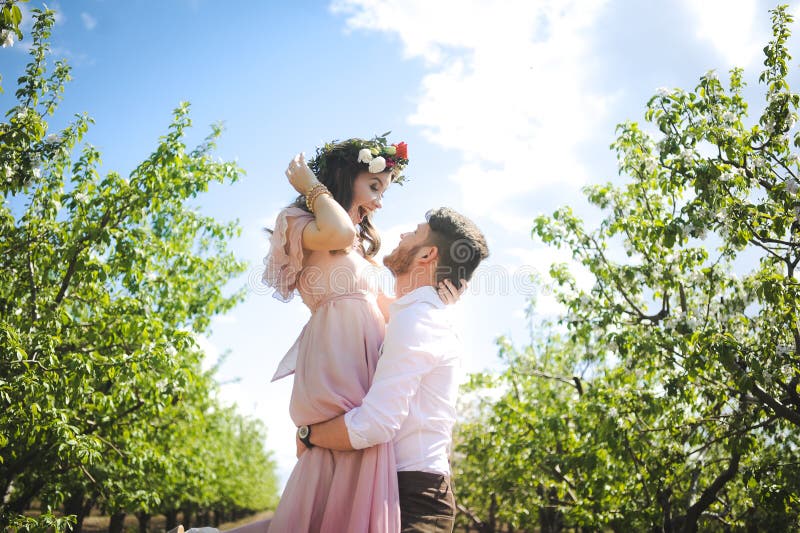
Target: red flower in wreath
<point>402,150</point>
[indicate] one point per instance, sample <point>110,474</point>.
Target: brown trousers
<point>427,504</point>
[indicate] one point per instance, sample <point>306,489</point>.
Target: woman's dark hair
<point>461,244</point>
<point>336,166</point>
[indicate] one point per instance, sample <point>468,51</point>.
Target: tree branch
<point>709,495</point>
<point>74,261</point>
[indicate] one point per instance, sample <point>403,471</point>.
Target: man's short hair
<point>461,244</point>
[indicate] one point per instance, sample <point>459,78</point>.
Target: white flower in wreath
<point>377,165</point>
<point>364,155</point>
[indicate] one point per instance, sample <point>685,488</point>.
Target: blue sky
<point>508,108</point>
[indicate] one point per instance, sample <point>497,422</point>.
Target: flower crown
<point>376,154</point>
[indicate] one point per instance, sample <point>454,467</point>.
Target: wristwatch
<point>304,434</point>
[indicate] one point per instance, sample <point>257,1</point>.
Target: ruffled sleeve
<point>285,259</point>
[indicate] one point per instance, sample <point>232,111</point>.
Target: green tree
<point>105,280</point>
<point>672,399</point>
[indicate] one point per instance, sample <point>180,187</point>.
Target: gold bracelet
<point>321,193</point>
<point>316,185</point>
<point>316,197</point>
<point>311,193</point>
<point>315,193</point>
<point>312,196</point>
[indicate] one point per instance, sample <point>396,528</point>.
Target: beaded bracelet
<point>315,192</point>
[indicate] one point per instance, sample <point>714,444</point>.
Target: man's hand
<point>301,448</point>
<point>448,292</point>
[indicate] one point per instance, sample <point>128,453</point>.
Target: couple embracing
<point>375,376</point>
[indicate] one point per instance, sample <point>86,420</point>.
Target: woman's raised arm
<point>332,228</point>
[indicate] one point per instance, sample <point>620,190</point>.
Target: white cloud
<point>514,223</point>
<point>730,27</point>
<point>89,22</point>
<point>509,86</point>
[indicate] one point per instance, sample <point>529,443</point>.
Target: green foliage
<point>10,19</point>
<point>684,411</point>
<point>105,282</point>
<point>46,521</point>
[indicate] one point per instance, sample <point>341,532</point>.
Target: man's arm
<point>331,434</point>
<point>405,360</point>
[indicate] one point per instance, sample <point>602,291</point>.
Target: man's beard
<point>399,261</point>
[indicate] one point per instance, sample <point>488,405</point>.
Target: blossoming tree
<point>104,281</point>
<point>667,396</point>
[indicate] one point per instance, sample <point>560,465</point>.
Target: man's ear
<point>431,254</point>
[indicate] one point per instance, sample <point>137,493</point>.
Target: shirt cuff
<point>357,441</point>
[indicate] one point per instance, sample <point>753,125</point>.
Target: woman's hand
<point>300,176</point>
<point>448,292</point>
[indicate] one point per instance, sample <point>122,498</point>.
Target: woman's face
<point>368,192</point>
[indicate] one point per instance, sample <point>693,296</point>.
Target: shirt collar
<point>426,293</point>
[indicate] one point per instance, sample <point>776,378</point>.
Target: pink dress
<point>333,361</point>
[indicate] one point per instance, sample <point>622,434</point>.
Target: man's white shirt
<point>412,400</point>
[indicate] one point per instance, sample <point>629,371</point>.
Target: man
<point>412,398</point>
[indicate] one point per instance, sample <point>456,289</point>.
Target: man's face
<point>402,258</point>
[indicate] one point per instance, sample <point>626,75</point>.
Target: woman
<point>323,246</point>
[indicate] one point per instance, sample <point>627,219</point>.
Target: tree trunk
<point>117,523</point>
<point>217,518</point>
<point>172,519</point>
<point>664,497</point>
<point>187,517</point>
<point>491,523</point>
<point>20,502</point>
<point>74,505</point>
<point>144,521</point>
<point>551,519</point>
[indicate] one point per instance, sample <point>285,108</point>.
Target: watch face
<point>303,432</point>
